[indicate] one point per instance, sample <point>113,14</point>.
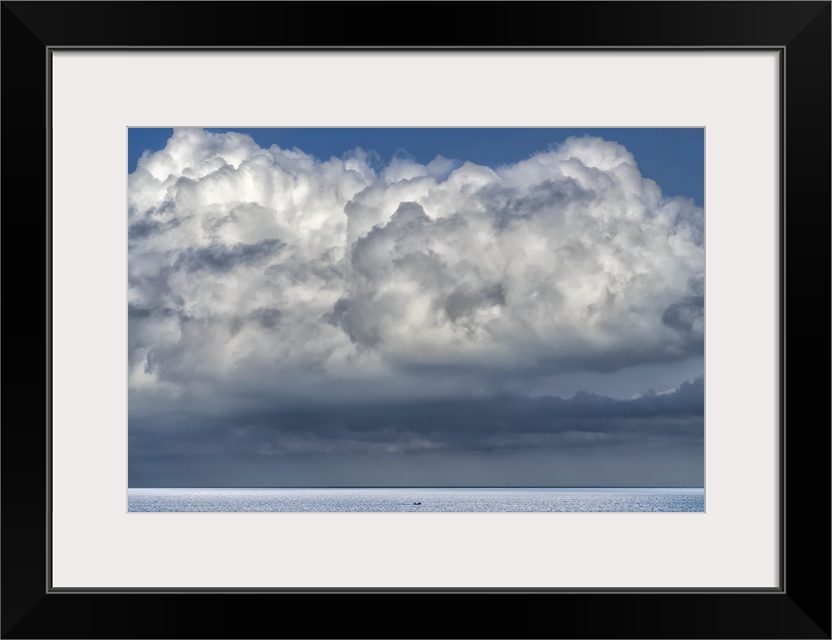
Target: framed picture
<point>83,556</point>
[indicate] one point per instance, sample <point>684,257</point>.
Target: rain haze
<point>416,307</point>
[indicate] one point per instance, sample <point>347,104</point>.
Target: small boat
<point>417,503</point>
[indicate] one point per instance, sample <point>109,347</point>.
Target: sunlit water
<point>404,500</point>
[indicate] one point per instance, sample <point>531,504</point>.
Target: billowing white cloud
<point>271,268</point>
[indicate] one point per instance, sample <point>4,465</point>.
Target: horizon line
<point>434,487</point>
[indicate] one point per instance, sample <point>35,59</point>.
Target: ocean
<point>416,500</point>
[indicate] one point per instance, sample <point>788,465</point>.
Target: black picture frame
<point>799,608</point>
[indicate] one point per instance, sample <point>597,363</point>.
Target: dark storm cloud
<point>506,420</point>
<point>503,428</point>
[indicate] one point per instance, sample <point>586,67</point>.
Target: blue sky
<point>673,157</point>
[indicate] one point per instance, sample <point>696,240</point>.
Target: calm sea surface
<point>405,500</point>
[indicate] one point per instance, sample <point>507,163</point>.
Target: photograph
<point>416,314</point>
<point>416,319</point>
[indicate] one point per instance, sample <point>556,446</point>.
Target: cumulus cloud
<point>271,269</point>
